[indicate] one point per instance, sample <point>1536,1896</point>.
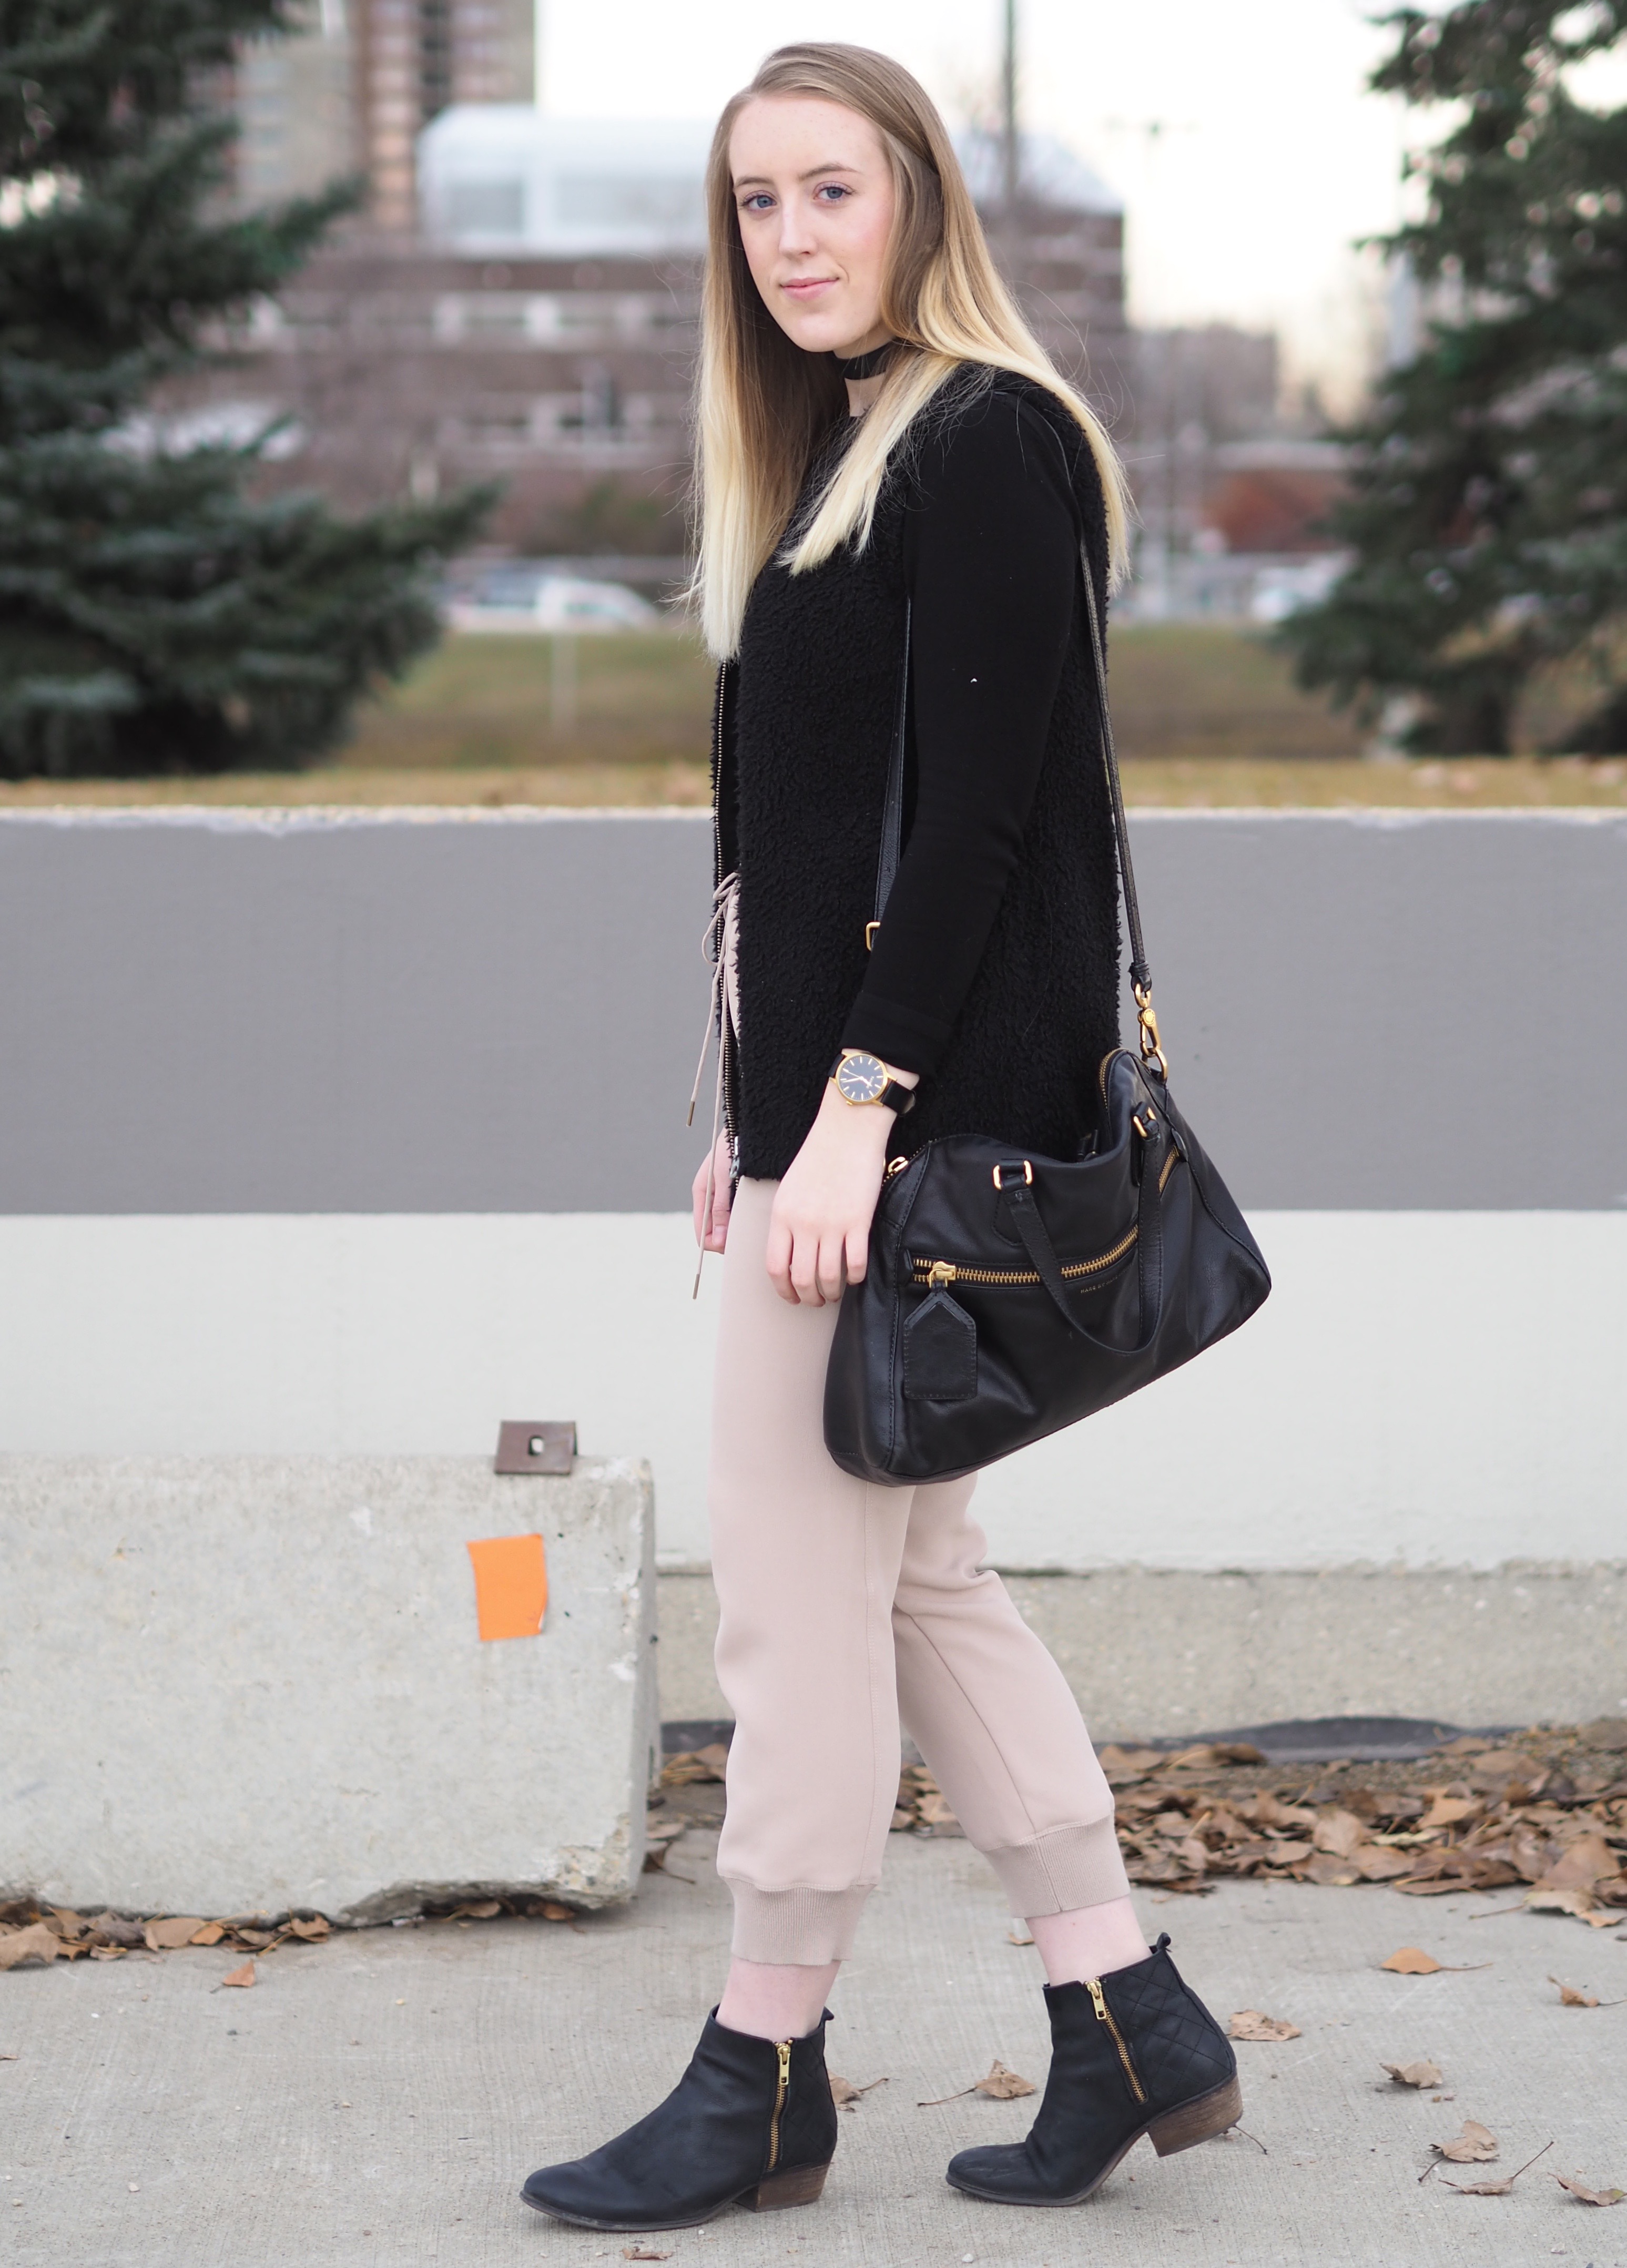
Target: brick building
<point>539,327</point>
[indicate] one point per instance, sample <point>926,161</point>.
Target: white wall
<point>1422,1389</point>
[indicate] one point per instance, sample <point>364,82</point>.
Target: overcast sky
<point>1271,157</point>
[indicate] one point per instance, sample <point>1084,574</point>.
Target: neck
<point>864,367</point>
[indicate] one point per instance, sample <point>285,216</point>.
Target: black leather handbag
<point>1009,1296</point>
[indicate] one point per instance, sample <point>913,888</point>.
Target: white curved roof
<point>501,177</point>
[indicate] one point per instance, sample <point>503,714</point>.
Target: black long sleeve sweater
<point>991,561</point>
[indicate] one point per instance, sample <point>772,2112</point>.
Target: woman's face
<point>815,195</point>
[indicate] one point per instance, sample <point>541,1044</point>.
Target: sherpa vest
<point>804,726</point>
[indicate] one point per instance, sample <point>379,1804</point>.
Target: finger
<point>697,1197</point>
<point>857,1255</point>
<point>829,1268</point>
<point>805,1271</point>
<point>777,1259</point>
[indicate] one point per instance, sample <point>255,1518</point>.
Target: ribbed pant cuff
<point>802,1927</point>
<point>1069,1868</point>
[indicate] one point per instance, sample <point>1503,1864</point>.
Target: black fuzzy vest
<point>805,718</point>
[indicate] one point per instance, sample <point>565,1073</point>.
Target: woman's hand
<point>711,1233</point>
<point>819,1232</point>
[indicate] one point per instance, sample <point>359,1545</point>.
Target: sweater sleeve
<point>991,560</point>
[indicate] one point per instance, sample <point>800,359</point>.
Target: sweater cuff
<point>900,1036</point>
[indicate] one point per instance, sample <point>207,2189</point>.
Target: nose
<point>797,234</point>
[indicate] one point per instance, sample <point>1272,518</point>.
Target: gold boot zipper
<point>780,2092</point>
<point>1104,2016</point>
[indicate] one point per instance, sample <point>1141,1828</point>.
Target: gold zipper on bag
<point>939,1272</point>
<point>1104,2016</point>
<point>780,2092</point>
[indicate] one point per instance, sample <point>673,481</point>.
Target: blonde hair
<point>765,404</point>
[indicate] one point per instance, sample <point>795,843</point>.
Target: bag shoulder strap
<point>892,817</point>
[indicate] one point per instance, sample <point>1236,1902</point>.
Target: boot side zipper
<point>782,2048</point>
<point>1104,2016</point>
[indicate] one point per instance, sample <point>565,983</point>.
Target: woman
<point>885,448</point>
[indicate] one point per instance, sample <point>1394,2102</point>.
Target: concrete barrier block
<point>248,1684</point>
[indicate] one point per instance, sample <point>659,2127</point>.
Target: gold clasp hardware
<point>870,935</point>
<point>1027,1172</point>
<point>1151,1051</point>
<point>1146,1132</point>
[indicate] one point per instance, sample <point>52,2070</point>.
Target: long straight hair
<point>765,404</point>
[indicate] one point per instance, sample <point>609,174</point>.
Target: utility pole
<point>1010,148</point>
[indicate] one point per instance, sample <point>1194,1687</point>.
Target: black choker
<point>867,365</point>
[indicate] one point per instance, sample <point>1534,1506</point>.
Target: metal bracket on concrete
<point>535,1445</point>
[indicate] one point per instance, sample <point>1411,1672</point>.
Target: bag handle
<point>1030,1227</point>
<point>893,821</point>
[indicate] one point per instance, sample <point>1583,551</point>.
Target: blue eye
<point>833,190</point>
<point>758,201</point>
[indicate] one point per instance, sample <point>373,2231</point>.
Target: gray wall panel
<point>381,1012</point>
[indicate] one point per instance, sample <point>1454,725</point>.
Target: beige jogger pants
<point>845,1606</point>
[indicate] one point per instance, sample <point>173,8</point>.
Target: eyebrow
<point>741,181</point>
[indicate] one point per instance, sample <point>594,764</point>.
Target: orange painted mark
<point>511,1586</point>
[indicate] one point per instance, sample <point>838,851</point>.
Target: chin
<point>818,331</point>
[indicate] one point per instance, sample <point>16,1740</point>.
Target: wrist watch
<point>860,1077</point>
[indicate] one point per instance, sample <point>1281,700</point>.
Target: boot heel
<point>797,2185</point>
<point>1196,2122</point>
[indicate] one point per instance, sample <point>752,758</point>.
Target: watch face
<point>860,1079</point>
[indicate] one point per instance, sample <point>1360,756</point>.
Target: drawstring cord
<point>718,947</point>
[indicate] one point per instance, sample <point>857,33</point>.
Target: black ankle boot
<point>751,2122</point>
<point>1134,2053</point>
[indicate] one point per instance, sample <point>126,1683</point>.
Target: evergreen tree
<point>154,616</point>
<point>1488,504</point>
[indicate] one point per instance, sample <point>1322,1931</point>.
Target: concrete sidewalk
<point>375,2101</point>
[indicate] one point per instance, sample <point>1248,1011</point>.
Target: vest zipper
<point>780,2092</point>
<point>1104,2016</point>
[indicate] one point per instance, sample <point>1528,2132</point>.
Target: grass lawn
<point>1205,717</point>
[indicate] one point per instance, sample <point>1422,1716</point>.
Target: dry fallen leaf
<point>19,1948</point>
<point>1544,1899</point>
<point>1001,2083</point>
<point>1448,1810</point>
<point>551,1910</point>
<point>210,1933</point>
<point>1013,1937</point>
<point>1474,2146</point>
<point>243,1977</point>
<point>1498,2189</point>
<point>1375,1864</point>
<point>695,1765</point>
<point>1250,2024</point>
<point>116,1930</point>
<point>1339,1832</point>
<point>1587,1860</point>
<point>1128,1763</point>
<point>319,1926</point>
<point>1422,2073</point>
<point>844,2095</point>
<point>643,2252</point>
<point>1578,2189</point>
<point>1412,1960</point>
<point>171,1932</point>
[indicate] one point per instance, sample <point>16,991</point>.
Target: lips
<point>806,286</point>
